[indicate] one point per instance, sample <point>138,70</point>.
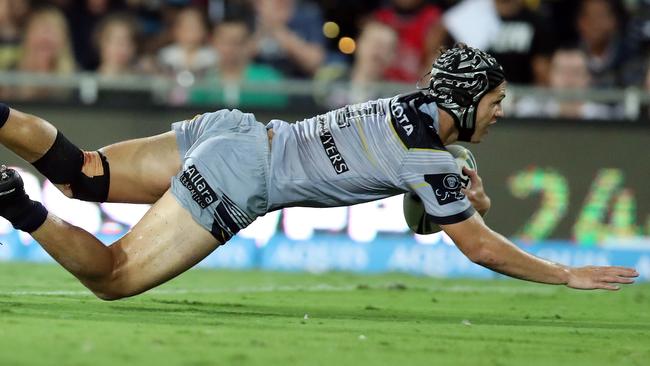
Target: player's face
<point>488,111</point>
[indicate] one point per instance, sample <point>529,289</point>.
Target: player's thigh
<point>141,169</point>
<point>165,243</point>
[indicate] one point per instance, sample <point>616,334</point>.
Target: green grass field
<point>255,318</point>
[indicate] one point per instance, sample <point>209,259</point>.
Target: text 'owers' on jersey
<point>364,152</point>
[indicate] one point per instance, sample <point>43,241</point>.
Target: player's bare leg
<point>28,136</point>
<point>166,242</point>
<point>139,170</point>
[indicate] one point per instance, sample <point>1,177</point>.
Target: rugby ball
<point>413,207</point>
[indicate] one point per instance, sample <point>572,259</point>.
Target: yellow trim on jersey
<point>425,149</point>
<point>362,135</point>
<point>392,128</point>
<point>419,185</point>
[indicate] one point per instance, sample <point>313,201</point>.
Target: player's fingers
<point>626,280</point>
<point>607,286</point>
<point>617,279</point>
<point>474,178</point>
<point>624,271</point>
<point>471,173</point>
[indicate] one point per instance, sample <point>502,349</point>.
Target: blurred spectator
<point>9,33</point>
<point>598,25</point>
<point>376,50</point>
<point>561,16</point>
<point>61,4</point>
<point>84,17</point>
<point>233,41</point>
<point>413,21</point>
<point>646,86</point>
<point>9,28</point>
<point>116,40</point>
<point>568,71</point>
<point>45,49</point>
<point>511,32</point>
<point>21,10</point>
<point>523,45</point>
<point>647,77</point>
<point>150,24</point>
<point>188,56</point>
<point>640,25</point>
<point>290,36</point>
<point>637,38</point>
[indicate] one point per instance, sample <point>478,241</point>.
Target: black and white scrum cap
<point>460,77</point>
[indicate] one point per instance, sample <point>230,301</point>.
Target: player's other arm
<point>490,249</point>
<point>476,193</point>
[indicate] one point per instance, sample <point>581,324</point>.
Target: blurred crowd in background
<point>200,44</point>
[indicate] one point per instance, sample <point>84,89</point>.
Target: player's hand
<point>595,277</point>
<point>476,193</point>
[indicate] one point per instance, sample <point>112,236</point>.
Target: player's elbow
<point>483,254</point>
<point>487,258</point>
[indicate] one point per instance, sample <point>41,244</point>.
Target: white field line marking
<point>314,288</point>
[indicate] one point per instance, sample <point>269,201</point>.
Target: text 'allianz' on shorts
<point>223,178</point>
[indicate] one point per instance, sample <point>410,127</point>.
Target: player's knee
<point>107,296</point>
<point>87,174</point>
<point>93,181</point>
<point>111,290</point>
<point>113,294</point>
<point>116,285</point>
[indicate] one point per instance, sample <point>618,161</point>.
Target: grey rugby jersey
<point>365,152</point>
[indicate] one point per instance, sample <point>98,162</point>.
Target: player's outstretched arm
<point>490,249</point>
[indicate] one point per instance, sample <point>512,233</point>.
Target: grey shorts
<point>223,181</point>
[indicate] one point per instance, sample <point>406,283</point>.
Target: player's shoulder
<point>414,118</point>
<point>417,95</point>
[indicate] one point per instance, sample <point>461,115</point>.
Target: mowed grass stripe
<point>314,288</point>
<point>255,318</point>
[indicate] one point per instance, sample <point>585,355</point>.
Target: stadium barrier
<point>324,253</point>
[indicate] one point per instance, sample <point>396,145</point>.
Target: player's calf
<point>79,174</point>
<point>84,175</point>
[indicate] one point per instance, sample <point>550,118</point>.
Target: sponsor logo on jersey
<point>411,121</point>
<point>451,181</point>
<point>356,111</point>
<point>201,192</point>
<point>399,115</point>
<point>446,187</point>
<point>332,152</point>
